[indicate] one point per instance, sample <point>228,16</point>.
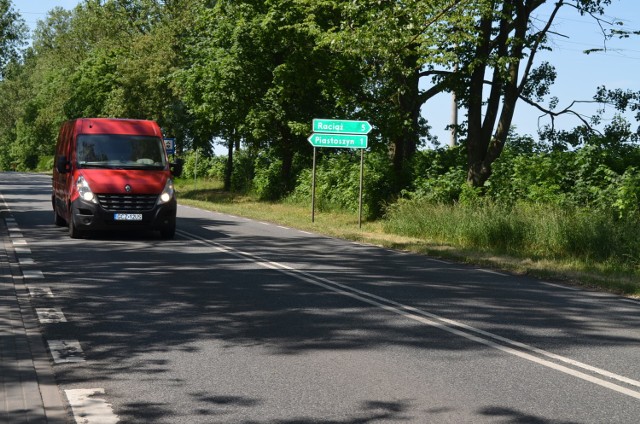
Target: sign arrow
<point>339,126</point>
<point>349,141</point>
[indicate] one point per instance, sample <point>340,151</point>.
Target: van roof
<point>117,126</point>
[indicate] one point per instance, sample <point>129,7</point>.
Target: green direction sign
<point>338,126</point>
<point>349,141</point>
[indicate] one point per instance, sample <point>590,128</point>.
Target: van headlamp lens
<point>168,192</point>
<point>85,191</point>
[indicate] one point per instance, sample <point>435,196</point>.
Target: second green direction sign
<point>339,126</point>
<point>349,141</point>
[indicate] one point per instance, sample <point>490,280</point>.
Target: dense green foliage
<point>250,75</point>
<point>12,33</point>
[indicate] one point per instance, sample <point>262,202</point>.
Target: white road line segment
<point>444,324</point>
<point>561,286</point>
<point>50,315</point>
<point>88,409</point>
<point>66,351</point>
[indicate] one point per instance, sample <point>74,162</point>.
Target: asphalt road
<point>238,321</point>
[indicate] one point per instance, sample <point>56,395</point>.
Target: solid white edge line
<point>440,322</point>
<point>546,283</point>
<point>488,271</point>
<point>89,409</point>
<point>454,323</point>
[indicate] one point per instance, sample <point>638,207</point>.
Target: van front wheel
<point>168,232</point>
<point>74,232</point>
<point>59,221</point>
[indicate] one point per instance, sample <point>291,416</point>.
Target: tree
<point>103,58</point>
<point>225,75</point>
<point>258,73</point>
<point>13,32</point>
<point>484,51</point>
<point>506,41</point>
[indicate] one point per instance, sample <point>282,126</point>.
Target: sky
<point>579,75</point>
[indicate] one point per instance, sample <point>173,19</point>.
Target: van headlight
<point>168,193</point>
<point>85,191</point>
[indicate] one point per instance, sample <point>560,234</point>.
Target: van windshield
<point>120,151</point>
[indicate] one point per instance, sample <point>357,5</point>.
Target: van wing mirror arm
<point>176,167</point>
<point>62,164</point>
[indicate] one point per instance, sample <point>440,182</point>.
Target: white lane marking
<point>560,286</point>
<point>89,409</point>
<point>66,351</point>
<point>283,227</point>
<point>306,232</point>
<point>19,242</point>
<point>32,273</point>
<point>26,261</point>
<point>440,261</point>
<point>408,312</point>
<point>50,315</point>
<point>488,271</point>
<point>22,250</point>
<point>444,324</point>
<point>40,292</point>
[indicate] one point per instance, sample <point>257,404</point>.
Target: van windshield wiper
<point>93,165</point>
<point>111,165</point>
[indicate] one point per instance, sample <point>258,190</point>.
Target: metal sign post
<point>337,133</point>
<point>313,188</point>
<point>361,186</point>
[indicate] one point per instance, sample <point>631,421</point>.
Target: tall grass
<point>523,230</point>
<point>582,245</point>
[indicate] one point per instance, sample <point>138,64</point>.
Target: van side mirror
<point>62,164</point>
<point>176,167</point>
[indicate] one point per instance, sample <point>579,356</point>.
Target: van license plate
<point>128,217</point>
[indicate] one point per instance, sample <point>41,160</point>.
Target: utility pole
<point>454,122</point>
<point>454,115</point>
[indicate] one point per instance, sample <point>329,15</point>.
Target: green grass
<point>574,246</point>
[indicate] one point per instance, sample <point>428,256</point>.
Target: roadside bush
<point>196,164</point>
<point>217,165</point>
<point>338,183</point>
<point>537,177</point>
<point>267,181</point>
<point>439,175</point>
<point>45,164</point>
<point>627,194</point>
<point>243,171</point>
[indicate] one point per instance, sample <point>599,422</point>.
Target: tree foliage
<point>252,74</point>
<point>12,35</point>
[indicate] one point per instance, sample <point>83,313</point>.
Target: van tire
<point>168,232</point>
<point>74,232</point>
<point>58,220</point>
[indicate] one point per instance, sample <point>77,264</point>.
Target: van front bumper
<point>89,216</point>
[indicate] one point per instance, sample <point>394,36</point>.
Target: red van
<point>113,174</point>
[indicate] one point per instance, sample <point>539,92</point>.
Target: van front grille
<point>127,202</point>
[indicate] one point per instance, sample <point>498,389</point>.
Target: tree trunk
<point>484,146</point>
<point>228,170</point>
<point>405,143</point>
